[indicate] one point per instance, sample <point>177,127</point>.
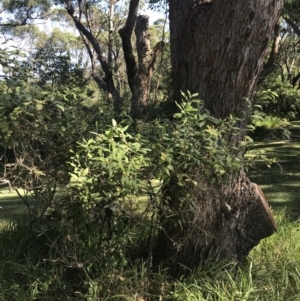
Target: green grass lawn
<point>12,206</point>
<point>281,182</point>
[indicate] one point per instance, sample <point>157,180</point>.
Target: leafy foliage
<point>279,99</point>
<point>291,8</point>
<point>38,127</point>
<point>120,176</point>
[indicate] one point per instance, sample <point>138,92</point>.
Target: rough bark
<point>217,49</point>
<point>146,58</point>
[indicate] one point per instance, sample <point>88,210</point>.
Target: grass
<point>13,207</point>
<point>280,183</point>
<point>272,270</point>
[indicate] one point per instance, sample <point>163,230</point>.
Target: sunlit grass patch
<point>12,206</point>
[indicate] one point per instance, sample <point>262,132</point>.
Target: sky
<point>153,15</point>
<point>48,26</point>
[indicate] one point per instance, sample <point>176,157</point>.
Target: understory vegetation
<point>92,214</point>
<point>108,177</point>
<point>33,267</point>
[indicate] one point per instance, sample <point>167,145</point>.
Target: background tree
<point>139,84</point>
<point>278,94</point>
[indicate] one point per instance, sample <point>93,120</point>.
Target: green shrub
<point>121,177</point>
<point>279,99</point>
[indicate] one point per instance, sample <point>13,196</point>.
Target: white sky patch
<point>153,15</point>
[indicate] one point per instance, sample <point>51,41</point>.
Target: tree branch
<point>126,33</point>
<point>101,84</point>
<point>90,38</point>
<point>293,25</point>
<point>110,87</point>
<point>269,65</point>
<point>24,21</point>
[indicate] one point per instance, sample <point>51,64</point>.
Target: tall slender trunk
<point>139,74</point>
<point>146,65</point>
<point>217,49</point>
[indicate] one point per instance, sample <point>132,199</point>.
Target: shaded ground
<point>280,183</point>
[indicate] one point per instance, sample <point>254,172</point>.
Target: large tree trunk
<point>218,49</point>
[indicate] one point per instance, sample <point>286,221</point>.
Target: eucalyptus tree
<point>218,48</point>
<point>102,25</point>
<point>139,72</point>
<point>278,93</point>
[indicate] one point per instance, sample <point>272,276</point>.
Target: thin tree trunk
<point>293,25</point>
<point>217,49</point>
<point>108,79</point>
<point>146,58</point>
<point>139,75</point>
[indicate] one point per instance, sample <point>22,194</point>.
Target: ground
<point>280,183</point>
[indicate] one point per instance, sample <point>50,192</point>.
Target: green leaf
<point>60,107</point>
<point>39,106</point>
<point>4,125</point>
<point>85,171</point>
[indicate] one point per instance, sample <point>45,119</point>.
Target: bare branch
<point>101,84</point>
<point>293,25</point>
